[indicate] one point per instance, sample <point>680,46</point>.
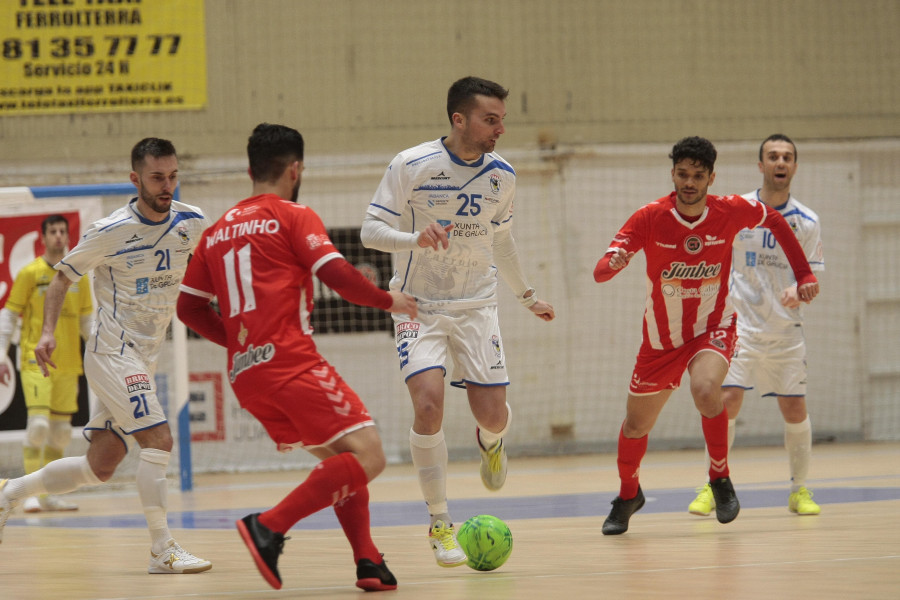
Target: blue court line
<point>387,514</point>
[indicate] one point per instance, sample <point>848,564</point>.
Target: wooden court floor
<point>554,506</point>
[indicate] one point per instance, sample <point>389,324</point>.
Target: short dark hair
<point>53,220</point>
<point>271,149</point>
<point>778,137</point>
<point>461,95</point>
<point>698,150</point>
<point>155,147</point>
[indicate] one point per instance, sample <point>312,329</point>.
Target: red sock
<point>715,431</point>
<point>631,452</point>
<point>353,514</point>
<point>332,480</point>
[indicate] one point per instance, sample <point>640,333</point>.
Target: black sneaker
<point>727,505</point>
<point>265,545</point>
<point>617,521</point>
<point>373,577</point>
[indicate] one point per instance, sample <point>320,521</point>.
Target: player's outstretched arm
<point>8,320</point>
<point>611,263</point>
<point>346,280</point>
<point>807,284</point>
<point>378,235</point>
<point>197,313</point>
<point>53,302</point>
<point>807,291</point>
<point>404,304</point>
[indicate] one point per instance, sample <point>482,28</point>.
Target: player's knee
<point>60,434</point>
<point>706,393</point>
<point>373,463</point>
<point>105,453</point>
<point>104,466</point>
<point>37,431</point>
<point>637,428</point>
<point>103,474</point>
<point>429,415</point>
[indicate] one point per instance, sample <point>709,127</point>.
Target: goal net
<point>569,377</point>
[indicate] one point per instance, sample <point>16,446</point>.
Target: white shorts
<point>471,337</point>
<point>126,391</point>
<point>776,366</point>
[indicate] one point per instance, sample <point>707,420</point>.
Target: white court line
<point>445,582</point>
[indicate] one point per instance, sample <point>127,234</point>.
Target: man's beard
<point>153,203</point>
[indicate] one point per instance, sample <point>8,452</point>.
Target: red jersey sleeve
<point>193,305</point>
<point>311,243</point>
<point>197,279</point>
<point>630,237</point>
<point>346,280</point>
<point>784,235</point>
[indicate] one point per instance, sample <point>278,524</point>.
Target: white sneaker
<point>175,559</point>
<point>6,507</point>
<point>445,545</point>
<point>56,504</point>
<point>493,464</point>
<point>36,504</point>
<point>32,505</point>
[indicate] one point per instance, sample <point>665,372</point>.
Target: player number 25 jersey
<point>427,184</point>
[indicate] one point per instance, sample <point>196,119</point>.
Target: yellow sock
<point>51,454</point>
<point>32,459</point>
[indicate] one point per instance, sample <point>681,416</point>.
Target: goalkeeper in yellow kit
<point>51,401</point>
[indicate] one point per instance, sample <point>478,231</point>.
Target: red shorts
<point>658,370</point>
<point>313,409</point>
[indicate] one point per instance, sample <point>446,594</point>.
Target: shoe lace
<point>445,536</point>
<point>180,553</point>
<point>495,457</point>
<point>703,489</point>
<point>279,544</point>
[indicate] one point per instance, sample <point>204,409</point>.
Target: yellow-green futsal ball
<point>487,542</point>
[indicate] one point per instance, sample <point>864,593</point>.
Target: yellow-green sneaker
<point>704,503</point>
<point>493,464</point>
<point>447,551</point>
<point>801,502</point>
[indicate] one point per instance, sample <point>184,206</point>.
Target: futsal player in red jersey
<point>258,261</point>
<point>689,321</point>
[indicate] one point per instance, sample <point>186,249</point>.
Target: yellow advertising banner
<point>76,56</point>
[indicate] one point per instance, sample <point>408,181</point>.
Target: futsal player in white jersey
<point>771,351</point>
<point>138,255</point>
<point>444,208</point>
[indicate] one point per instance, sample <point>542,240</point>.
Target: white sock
<point>153,490</point>
<point>798,443</point>
<point>489,438</point>
<point>58,477</point>
<point>429,455</point>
